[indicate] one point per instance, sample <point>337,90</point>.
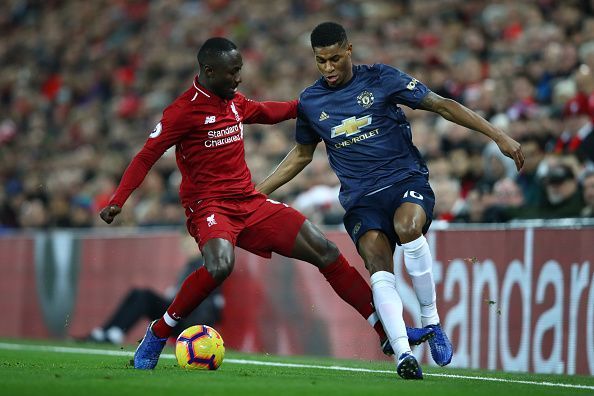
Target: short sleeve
<point>304,133</point>
<point>169,131</point>
<point>402,88</point>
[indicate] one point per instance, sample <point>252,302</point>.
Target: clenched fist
<point>108,213</point>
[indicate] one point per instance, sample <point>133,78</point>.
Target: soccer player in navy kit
<point>384,180</point>
<point>205,124</point>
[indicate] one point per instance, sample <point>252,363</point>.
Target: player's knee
<point>219,258</point>
<point>408,231</point>
<point>329,252</point>
<point>325,251</point>
<point>220,269</point>
<point>378,263</point>
<point>375,249</point>
<point>376,259</point>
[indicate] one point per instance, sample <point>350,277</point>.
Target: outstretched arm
<point>166,134</point>
<point>290,166</point>
<point>269,112</point>
<point>131,179</point>
<point>462,115</point>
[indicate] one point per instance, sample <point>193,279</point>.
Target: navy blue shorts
<point>376,211</point>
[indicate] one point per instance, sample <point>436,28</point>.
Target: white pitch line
<point>88,351</point>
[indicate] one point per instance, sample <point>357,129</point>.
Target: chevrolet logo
<point>350,126</point>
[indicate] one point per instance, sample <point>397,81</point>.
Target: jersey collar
<point>201,89</point>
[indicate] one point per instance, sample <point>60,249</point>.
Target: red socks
<point>352,288</point>
<point>344,279</point>
<point>197,286</point>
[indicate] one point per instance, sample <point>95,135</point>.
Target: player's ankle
<point>160,329</point>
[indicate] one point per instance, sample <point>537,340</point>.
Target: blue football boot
<point>416,336</point>
<point>147,354</point>
<point>441,347</point>
<point>408,367</point>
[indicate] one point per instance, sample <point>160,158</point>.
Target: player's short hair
<point>328,33</point>
<point>213,49</point>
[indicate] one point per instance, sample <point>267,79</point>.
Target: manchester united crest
<point>365,99</point>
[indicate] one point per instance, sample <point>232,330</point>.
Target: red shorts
<point>256,224</point>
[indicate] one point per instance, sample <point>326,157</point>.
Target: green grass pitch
<point>63,368</point>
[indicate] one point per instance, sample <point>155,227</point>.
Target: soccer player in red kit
<point>205,124</point>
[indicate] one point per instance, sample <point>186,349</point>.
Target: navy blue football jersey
<point>368,138</point>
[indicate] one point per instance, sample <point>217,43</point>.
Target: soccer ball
<point>199,347</point>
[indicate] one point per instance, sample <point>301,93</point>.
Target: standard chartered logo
<point>233,133</point>
<point>351,126</point>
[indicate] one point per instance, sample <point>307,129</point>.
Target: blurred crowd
<point>84,82</point>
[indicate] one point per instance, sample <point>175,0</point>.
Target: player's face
<point>334,63</point>
<point>224,76</point>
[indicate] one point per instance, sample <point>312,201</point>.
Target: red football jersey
<point>207,133</point>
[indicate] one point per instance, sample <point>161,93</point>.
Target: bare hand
<point>513,150</point>
<point>108,213</point>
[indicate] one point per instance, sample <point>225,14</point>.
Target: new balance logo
<point>324,116</point>
<point>210,120</point>
<point>210,220</point>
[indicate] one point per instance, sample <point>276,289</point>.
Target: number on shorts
<point>413,194</point>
